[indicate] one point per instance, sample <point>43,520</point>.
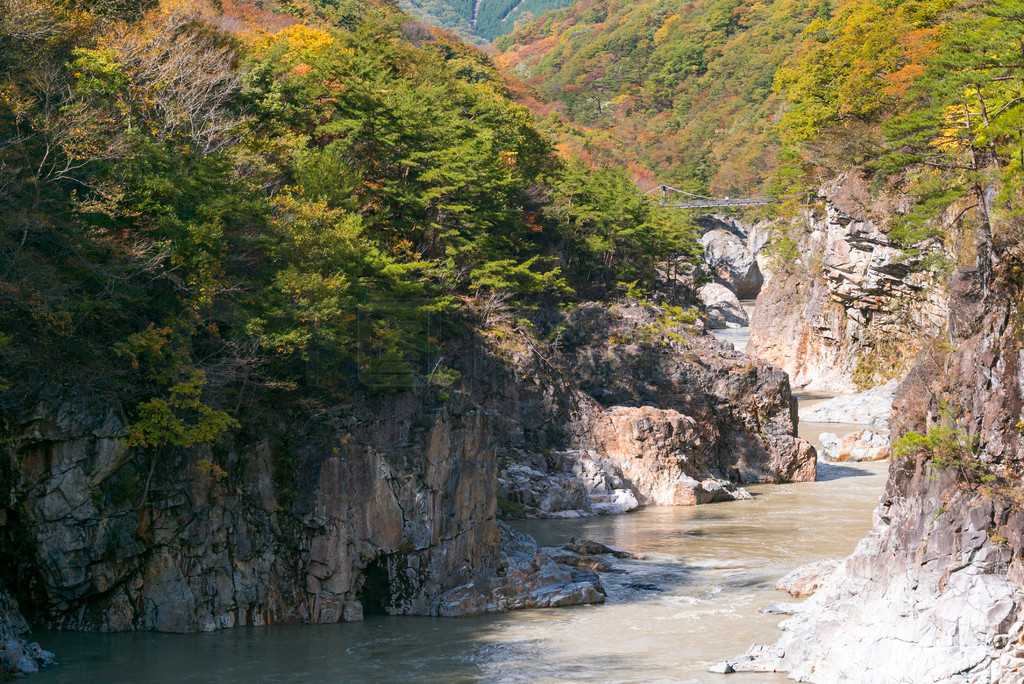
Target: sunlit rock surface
<point>854,307</point>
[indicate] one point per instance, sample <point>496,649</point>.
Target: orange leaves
<point>918,45</point>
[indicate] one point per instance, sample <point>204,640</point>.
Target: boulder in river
<point>863,445</point>
<point>731,263</point>
<point>872,407</point>
<point>718,298</point>
<point>17,656</point>
<point>687,491</point>
<point>589,547</point>
<point>525,577</point>
<point>807,579</point>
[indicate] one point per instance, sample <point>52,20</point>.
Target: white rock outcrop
<point>863,445</point>
<point>719,299</point>
<point>731,263</point>
<point>873,407</point>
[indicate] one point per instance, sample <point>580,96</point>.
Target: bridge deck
<point>727,202</point>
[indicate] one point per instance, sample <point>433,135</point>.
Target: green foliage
<point>510,510</point>
<point>518,278</point>
<point>190,218</point>
<point>783,248</point>
<point>947,446</point>
<point>612,233</point>
<point>929,98</point>
<point>179,420</point>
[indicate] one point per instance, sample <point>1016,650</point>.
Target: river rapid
<point>694,602</point>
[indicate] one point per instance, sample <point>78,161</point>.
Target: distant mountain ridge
<point>479,21</point>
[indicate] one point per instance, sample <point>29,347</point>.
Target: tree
<point>965,126</point>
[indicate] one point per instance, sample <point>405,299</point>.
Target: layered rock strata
<point>853,306</point>
<point>934,593</point>
<point>679,422</point>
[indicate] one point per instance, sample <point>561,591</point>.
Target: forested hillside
<point>202,204</point>
<point>735,98</point>
<point>687,84</point>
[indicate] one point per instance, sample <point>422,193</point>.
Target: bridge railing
<point>725,202</point>
<point>700,202</point>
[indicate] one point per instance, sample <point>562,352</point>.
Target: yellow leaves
<point>952,138</point>
<point>662,33</point>
<point>305,40</point>
<point>508,159</point>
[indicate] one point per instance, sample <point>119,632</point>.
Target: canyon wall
<point>848,309</point>
<point>319,512</point>
<point>934,593</point>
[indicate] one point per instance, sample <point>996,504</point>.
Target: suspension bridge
<point>668,194</point>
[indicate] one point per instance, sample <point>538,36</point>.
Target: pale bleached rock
<point>718,298</point>
<point>851,292</point>
<point>731,263</point>
<point>806,580</point>
<point>873,407</point>
<point>863,445</point>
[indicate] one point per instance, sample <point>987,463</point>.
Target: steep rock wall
<point>856,306</point>
<point>655,412</point>
<point>314,512</point>
<point>935,593</point>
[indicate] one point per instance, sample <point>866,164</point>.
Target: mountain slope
<point>688,84</point>
<point>479,21</point>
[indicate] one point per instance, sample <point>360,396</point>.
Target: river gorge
<point>667,619</point>
<point>654,341</point>
<point>695,601</point>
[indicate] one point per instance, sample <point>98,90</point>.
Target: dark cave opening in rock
<point>376,593</point>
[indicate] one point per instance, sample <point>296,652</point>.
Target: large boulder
<point>872,407</point>
<point>17,656</point>
<point>731,263</point>
<point>807,579</point>
<point>718,298</point>
<point>863,445</point>
<point>524,577</point>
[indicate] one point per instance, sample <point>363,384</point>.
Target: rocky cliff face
<point>854,307</point>
<point>17,656</point>
<point>319,513</point>
<point>934,593</point>
<point>660,416</point>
